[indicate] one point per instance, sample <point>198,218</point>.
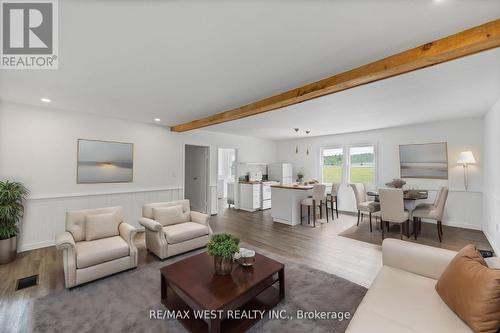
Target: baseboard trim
<point>37,245</point>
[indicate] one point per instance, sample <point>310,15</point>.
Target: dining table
<point>410,198</point>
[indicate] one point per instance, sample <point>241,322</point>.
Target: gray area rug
<point>121,303</point>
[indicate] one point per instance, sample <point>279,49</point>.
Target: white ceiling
<point>460,88</point>
<point>182,60</point>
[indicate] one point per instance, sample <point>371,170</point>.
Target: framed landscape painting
<point>429,160</point>
<point>104,162</point>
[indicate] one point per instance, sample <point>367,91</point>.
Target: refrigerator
<point>281,172</point>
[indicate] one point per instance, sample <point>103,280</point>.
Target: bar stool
<point>332,198</point>
<point>318,197</point>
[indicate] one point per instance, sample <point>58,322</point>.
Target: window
<point>362,164</point>
<point>332,164</point>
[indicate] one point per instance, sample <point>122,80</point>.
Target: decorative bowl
<point>245,257</point>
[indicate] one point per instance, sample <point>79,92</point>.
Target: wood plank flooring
<point>320,247</point>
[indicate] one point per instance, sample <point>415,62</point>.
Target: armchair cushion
<point>101,226</point>
<point>181,232</point>
<point>90,253</point>
<point>170,215</point>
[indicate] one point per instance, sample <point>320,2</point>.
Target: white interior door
<point>195,177</point>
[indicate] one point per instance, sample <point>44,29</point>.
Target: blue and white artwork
<point>428,160</point>
<point>104,162</point>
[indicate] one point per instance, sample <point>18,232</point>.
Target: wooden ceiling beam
<point>464,43</point>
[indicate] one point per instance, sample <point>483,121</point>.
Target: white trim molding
<point>45,215</point>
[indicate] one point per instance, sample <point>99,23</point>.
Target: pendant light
<point>307,151</point>
<point>297,144</point>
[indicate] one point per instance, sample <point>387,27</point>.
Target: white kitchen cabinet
<point>250,197</point>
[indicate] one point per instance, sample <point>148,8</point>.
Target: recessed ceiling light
<point>157,119</point>
<point>45,100</point>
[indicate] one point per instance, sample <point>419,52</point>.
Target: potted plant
<point>300,176</point>
<point>12,195</point>
<point>222,247</point>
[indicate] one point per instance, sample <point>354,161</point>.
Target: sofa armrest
<point>420,259</point>
<point>150,224</point>
<point>65,240</point>
<point>127,232</point>
<point>200,218</point>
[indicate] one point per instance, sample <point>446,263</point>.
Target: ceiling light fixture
<point>157,119</point>
<point>297,146</point>
<point>307,151</point>
<point>45,100</point>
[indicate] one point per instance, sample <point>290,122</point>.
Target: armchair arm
<point>65,240</point>
<point>127,232</point>
<point>416,258</point>
<point>150,224</point>
<point>200,218</point>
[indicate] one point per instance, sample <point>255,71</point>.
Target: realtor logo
<point>29,34</point>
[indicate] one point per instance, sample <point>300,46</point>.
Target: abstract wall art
<point>429,160</point>
<point>104,162</point>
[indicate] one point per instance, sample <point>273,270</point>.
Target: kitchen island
<point>286,202</point>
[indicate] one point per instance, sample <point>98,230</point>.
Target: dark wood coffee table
<point>191,285</point>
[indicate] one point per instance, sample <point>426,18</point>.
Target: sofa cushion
<point>400,301</point>
<point>472,290</point>
<point>169,215</point>
<point>101,226</point>
<point>181,232</point>
<point>90,253</point>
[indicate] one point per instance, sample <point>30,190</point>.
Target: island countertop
<point>294,187</point>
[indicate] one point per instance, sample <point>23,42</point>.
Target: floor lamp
<point>465,158</point>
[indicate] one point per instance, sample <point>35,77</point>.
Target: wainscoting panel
<point>45,215</point>
<point>212,201</point>
<point>463,209</point>
<point>492,220</point>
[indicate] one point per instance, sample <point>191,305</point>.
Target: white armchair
<point>172,228</point>
<point>96,243</point>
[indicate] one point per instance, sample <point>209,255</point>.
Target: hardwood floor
<point>453,238</point>
<point>320,247</point>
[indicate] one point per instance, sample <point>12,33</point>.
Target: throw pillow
<point>472,290</point>
<point>101,226</point>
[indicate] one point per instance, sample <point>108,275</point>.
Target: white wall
<point>463,208</point>
<point>491,160</point>
<point>38,147</point>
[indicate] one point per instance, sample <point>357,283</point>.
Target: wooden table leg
<point>164,291</point>
<point>214,325</point>
<point>281,278</point>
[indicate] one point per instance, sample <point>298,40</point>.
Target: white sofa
<point>96,243</point>
<point>403,298</point>
<point>173,234</point>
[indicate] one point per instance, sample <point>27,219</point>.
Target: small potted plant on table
<point>12,195</point>
<point>222,247</point>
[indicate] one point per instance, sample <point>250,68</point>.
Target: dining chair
<point>362,202</point>
<point>392,209</point>
<point>429,204</point>
<point>317,200</point>
<point>332,198</point>
<point>434,212</point>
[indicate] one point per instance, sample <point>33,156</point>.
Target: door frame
<point>236,170</point>
<point>207,174</point>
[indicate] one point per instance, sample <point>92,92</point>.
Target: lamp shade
<point>466,157</point>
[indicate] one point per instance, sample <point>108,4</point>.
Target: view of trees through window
<point>332,164</point>
<point>362,164</point>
